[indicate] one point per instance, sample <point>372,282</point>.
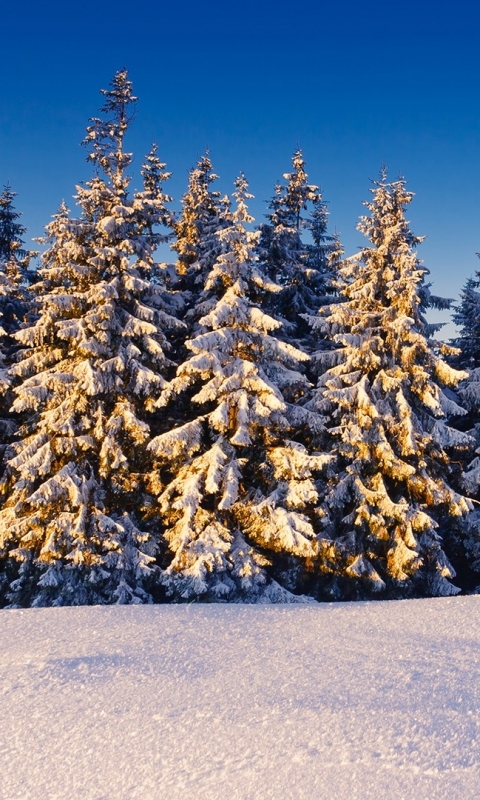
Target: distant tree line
<point>263,420</point>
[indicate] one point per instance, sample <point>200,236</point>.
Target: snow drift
<point>360,700</point>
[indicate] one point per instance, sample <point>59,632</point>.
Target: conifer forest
<point>264,419</point>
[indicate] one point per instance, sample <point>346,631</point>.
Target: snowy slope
<point>365,700</point>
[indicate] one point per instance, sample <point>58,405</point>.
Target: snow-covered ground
<point>365,700</point>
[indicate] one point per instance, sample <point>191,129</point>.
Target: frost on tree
<point>386,386</point>
<point>236,488</point>
<point>303,269</point>
<point>89,368</point>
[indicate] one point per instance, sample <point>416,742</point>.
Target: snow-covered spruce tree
<point>14,302</point>
<point>203,214</point>
<point>235,488</point>
<point>14,263</point>
<point>303,270</point>
<point>322,251</point>
<point>89,368</point>
<point>386,389</point>
<point>467,318</point>
<point>280,245</point>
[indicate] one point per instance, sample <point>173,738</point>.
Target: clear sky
<point>354,85</point>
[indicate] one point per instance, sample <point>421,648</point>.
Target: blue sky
<point>354,85</point>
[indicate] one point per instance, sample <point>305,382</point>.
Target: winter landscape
<point>264,419</point>
<point>239,452</point>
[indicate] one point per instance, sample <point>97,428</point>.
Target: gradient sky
<point>355,85</point>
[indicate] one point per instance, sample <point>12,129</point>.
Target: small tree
<point>90,365</point>
<point>236,493</point>
<point>386,391</point>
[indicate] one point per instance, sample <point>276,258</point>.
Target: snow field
<point>216,702</point>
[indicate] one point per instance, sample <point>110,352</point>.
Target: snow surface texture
<point>360,700</point>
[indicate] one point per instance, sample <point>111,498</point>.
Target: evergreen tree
<point>387,391</point>
<point>303,270</point>
<point>280,247</point>
<point>90,365</point>
<point>14,262</point>
<point>321,251</point>
<point>467,318</point>
<point>203,215</point>
<point>14,305</point>
<point>235,487</point>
